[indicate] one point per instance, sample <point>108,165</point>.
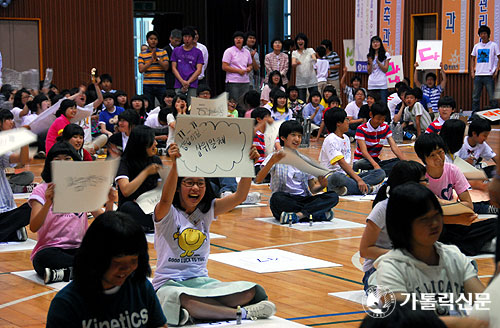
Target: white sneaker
<point>252,198</point>
<point>184,317</point>
<point>375,188</point>
<point>225,193</point>
<point>261,310</point>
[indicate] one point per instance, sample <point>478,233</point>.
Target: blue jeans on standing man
<point>154,91</point>
<point>479,82</point>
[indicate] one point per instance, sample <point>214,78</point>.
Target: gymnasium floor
<point>301,296</point>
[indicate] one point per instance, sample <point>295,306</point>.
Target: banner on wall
<point>455,35</point>
<point>485,12</point>
<point>391,25</point>
<point>349,61</point>
<point>365,27</point>
<point>395,72</point>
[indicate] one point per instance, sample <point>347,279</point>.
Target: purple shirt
<point>238,59</point>
<point>186,64</point>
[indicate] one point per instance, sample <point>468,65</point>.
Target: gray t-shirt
<point>377,216</point>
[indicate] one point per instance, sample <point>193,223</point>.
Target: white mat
<point>358,198</point>
<point>251,205</point>
<point>324,225</point>
<point>402,144</point>
<point>271,260</point>
<point>31,275</point>
<point>355,296</point>
<point>486,216</point>
<point>14,246</point>
<point>22,195</point>
<point>482,256</point>
<point>150,237</point>
<point>272,322</point>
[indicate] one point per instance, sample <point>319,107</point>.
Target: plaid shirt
<point>277,63</point>
<point>279,178</point>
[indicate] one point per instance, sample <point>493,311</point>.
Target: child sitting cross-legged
<point>368,136</point>
<point>293,192</point>
<point>336,156</point>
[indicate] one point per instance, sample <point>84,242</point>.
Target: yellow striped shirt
<point>154,74</point>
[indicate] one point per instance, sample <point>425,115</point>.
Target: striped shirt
<point>154,74</point>
<point>435,127</point>
<point>372,137</point>
<point>410,114</point>
<point>333,60</point>
<point>260,144</point>
<point>433,94</point>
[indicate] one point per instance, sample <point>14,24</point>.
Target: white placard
<point>210,107</point>
<point>470,172</point>
<point>429,54</point>
<point>303,163</point>
<point>43,122</point>
<point>395,72</point>
<point>349,60</point>
<point>214,146</point>
<point>82,186</point>
<point>271,260</point>
<point>14,139</point>
<point>148,200</point>
<point>490,114</point>
<point>270,135</point>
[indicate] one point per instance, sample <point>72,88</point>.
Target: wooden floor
<point>301,296</point>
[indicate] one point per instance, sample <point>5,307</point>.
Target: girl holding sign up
<point>182,241</point>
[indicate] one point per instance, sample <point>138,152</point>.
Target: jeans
<point>190,93</point>
<point>340,179</point>
<point>364,164</point>
<point>13,220</point>
<point>53,258</point>
<point>479,82</point>
<point>152,92</point>
<point>316,205</point>
<point>237,90</point>
<point>303,92</point>
<point>19,181</point>
<point>145,220</point>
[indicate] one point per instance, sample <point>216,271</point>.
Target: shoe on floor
<point>40,155</point>
<point>184,317</point>
<point>373,190</point>
<point>252,198</point>
<point>56,275</point>
<point>22,234</point>
<point>341,191</point>
<point>329,215</point>
<point>29,188</point>
<point>288,217</point>
<point>261,310</point>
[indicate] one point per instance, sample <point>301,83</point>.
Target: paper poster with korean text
<point>214,146</point>
<point>391,25</point>
<point>365,26</point>
<point>395,72</point>
<point>490,114</point>
<point>349,60</point>
<point>210,107</point>
<point>429,54</point>
<point>455,35</point>
<point>82,186</point>
<point>148,200</point>
<point>12,140</point>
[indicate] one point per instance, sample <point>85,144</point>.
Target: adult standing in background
<point>484,71</point>
<point>187,62</point>
<point>175,41</point>
<point>277,61</point>
<point>334,63</point>
<point>153,63</point>
<point>254,74</point>
<point>378,64</point>
<point>237,63</point>
<point>303,59</point>
<point>202,79</point>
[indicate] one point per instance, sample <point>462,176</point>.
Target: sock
<point>243,313</point>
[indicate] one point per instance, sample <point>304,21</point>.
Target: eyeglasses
<point>191,183</point>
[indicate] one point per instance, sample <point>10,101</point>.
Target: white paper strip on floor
<point>352,295</point>
<point>316,226</point>
<point>14,246</point>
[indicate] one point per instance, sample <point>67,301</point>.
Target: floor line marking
<point>26,298</point>
<point>334,276</point>
<point>307,242</point>
<point>333,322</point>
<point>349,211</point>
<point>325,315</point>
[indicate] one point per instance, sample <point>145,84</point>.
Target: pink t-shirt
<point>238,59</point>
<point>61,230</point>
<point>55,130</point>
<point>451,179</point>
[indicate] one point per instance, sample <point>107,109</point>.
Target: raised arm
<point>415,76</point>
<point>443,77</point>
<point>169,187</point>
<point>98,92</point>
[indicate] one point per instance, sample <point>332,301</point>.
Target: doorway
<point>423,27</point>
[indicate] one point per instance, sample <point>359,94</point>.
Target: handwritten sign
<point>349,60</point>
<point>490,114</point>
<point>148,200</point>
<point>303,163</point>
<point>210,107</point>
<point>429,54</point>
<point>214,146</point>
<point>82,186</point>
<point>14,139</point>
<point>395,72</point>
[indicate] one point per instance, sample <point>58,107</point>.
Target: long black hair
<point>279,94</point>
<point>135,154</point>
<point>18,98</point>
<point>381,50</point>
<point>59,148</point>
<point>176,97</point>
<point>452,133</point>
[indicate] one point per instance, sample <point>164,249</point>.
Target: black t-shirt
<point>364,112</point>
<point>133,305</point>
<point>127,170</point>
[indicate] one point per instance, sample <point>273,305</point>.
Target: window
<point>142,25</point>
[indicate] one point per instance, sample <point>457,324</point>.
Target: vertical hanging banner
<point>365,27</point>
<point>455,35</point>
<point>349,61</point>
<point>395,72</point>
<point>391,25</point>
<point>486,12</point>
